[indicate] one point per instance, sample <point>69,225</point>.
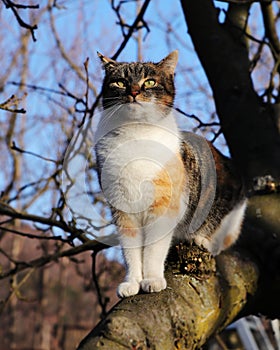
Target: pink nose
<point>134,93</point>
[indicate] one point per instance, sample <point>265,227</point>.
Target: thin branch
<point>270,28</point>
<point>103,302</point>
<point>42,261</point>
<point>9,3</point>
<point>33,236</point>
<point>86,93</point>
<point>7,210</point>
<point>138,19</point>
<point>43,89</point>
<point>11,104</point>
<point>16,148</point>
<point>11,212</point>
<point>64,53</point>
<point>14,7</point>
<point>200,123</point>
<point>65,92</point>
<point>34,185</point>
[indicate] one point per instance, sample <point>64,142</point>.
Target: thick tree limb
<point>183,316</point>
<point>212,293</point>
<point>247,123</point>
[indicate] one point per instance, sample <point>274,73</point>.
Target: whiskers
<point>118,112</point>
<point>108,116</point>
<point>109,102</point>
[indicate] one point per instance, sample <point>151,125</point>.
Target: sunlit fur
<point>137,101</point>
<point>133,76</point>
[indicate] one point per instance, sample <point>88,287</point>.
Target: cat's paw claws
<point>127,289</point>
<point>150,285</point>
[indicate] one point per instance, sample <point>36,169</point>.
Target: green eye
<point>150,83</point>
<point>119,83</point>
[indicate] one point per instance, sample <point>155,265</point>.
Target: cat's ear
<point>106,61</point>
<point>169,62</point>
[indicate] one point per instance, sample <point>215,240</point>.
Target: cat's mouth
<point>134,100</point>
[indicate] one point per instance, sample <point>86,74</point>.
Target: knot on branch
<point>265,185</point>
<point>188,258</point>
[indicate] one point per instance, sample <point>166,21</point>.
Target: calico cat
<point>151,174</point>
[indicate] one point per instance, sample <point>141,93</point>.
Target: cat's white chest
<point>131,157</point>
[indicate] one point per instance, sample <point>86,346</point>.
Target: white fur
<point>132,157</point>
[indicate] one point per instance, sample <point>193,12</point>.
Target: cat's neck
<point>146,119</point>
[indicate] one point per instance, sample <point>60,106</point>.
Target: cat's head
<point>139,82</point>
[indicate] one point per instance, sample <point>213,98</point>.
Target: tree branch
<point>44,260</point>
<point>248,124</point>
<point>183,316</point>
<point>270,29</point>
<point>11,104</point>
<point>8,211</point>
<point>204,294</point>
<point>14,7</point>
<point>131,30</point>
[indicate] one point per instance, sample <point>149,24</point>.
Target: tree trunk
<point>249,125</point>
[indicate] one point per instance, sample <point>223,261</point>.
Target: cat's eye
<point>119,83</point>
<point>149,83</point>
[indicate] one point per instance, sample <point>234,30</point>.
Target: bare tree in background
<point>204,295</point>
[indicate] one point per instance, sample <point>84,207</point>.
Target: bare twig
<point>11,104</point>
<point>132,28</point>
<point>103,301</point>
<point>11,212</point>
<point>14,7</point>
<point>44,260</point>
<point>65,55</point>
<point>16,148</point>
<point>270,28</point>
<point>200,123</point>
<point>33,236</point>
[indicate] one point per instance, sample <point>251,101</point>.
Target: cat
<point>151,175</point>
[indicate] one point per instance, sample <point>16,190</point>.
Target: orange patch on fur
<point>228,241</point>
<point>169,186</point>
<point>125,224</point>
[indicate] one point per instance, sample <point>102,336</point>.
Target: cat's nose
<point>134,92</point>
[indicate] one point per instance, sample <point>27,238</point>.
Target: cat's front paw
<point>127,289</point>
<point>150,285</point>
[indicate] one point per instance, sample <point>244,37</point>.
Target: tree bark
<point>183,316</point>
<point>248,124</point>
